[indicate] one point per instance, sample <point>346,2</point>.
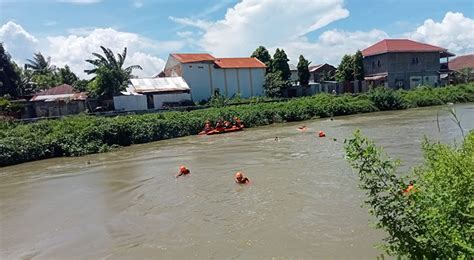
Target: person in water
<point>183,171</point>
<point>240,178</point>
<point>409,188</point>
<point>277,139</point>
<point>302,128</point>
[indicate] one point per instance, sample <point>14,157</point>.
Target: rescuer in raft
<point>183,171</point>
<point>238,123</point>
<point>207,126</point>
<point>240,179</point>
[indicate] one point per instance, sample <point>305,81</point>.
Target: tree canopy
<point>110,78</point>
<point>262,54</point>
<point>358,66</point>
<point>8,76</point>
<point>345,70</point>
<point>280,63</point>
<point>303,71</point>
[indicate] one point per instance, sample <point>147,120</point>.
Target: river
<point>302,203</point>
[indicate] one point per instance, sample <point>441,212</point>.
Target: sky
<point>322,31</point>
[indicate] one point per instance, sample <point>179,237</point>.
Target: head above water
<point>239,175</point>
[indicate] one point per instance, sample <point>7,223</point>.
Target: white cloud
<point>185,34</point>
<point>74,49</point>
<point>18,42</point>
<point>251,23</point>
<point>332,45</point>
<point>455,32</point>
<point>201,24</point>
<point>79,2</point>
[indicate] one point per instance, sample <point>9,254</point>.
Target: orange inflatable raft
<point>221,130</point>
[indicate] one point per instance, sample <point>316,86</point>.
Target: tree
<point>434,218</point>
<point>280,63</point>
<point>66,76</point>
<point>303,71</point>
<point>327,76</point>
<point>81,85</point>
<point>345,71</point>
<point>40,65</point>
<point>25,83</point>
<point>358,64</point>
<point>262,54</point>
<point>110,78</point>
<point>274,84</point>
<point>8,76</point>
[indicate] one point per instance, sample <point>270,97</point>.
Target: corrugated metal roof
<point>192,57</point>
<point>227,63</point>
<point>147,85</point>
<point>400,45</point>
<point>462,62</point>
<point>60,97</point>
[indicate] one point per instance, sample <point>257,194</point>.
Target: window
<point>373,64</point>
<point>200,67</point>
<point>190,66</point>
<point>414,61</point>
<point>378,63</point>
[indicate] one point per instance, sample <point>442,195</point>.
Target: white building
<point>153,93</point>
<point>207,75</point>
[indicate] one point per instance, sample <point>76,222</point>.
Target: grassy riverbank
<point>80,135</point>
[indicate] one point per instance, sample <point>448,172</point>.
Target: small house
<point>321,72</point>
<point>153,93</point>
<point>59,101</point>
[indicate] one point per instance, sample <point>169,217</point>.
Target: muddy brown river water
<point>303,201</point>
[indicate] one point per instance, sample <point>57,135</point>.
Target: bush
<point>435,219</point>
<point>387,99</point>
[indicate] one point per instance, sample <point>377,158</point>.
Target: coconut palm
<point>40,65</point>
<point>110,78</point>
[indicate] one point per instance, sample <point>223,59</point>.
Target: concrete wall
<point>49,109</point>
<point>130,103</point>
<point>198,77</point>
<point>158,100</point>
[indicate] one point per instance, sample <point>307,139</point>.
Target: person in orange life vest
<point>409,188</point>
<point>239,178</point>
<point>183,171</point>
<point>321,134</point>
<point>219,125</point>
<point>238,123</point>
<point>227,124</point>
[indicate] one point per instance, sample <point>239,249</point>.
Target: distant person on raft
<point>208,126</point>
<point>183,171</point>
<point>240,178</point>
<point>238,123</point>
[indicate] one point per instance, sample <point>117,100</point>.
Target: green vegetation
<point>79,135</point>
<point>434,220</point>
<point>303,71</point>
<point>351,68</point>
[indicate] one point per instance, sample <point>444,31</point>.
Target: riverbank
<point>80,135</point>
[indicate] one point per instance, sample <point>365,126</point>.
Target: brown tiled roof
<point>462,62</point>
<point>227,63</point>
<point>192,57</point>
<point>399,45</point>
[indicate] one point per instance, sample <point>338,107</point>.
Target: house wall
<point>52,109</point>
<point>198,76</point>
<point>173,68</point>
<point>130,103</point>
<point>258,81</point>
<point>158,100</point>
<point>405,70</point>
<point>294,75</point>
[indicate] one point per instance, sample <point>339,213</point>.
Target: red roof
<point>192,57</point>
<point>400,45</point>
<point>462,62</point>
<point>227,63</point>
<point>59,90</point>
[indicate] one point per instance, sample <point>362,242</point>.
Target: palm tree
<point>40,64</point>
<point>111,77</point>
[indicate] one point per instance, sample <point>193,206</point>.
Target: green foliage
<point>274,84</point>
<point>262,54</point>
<point>40,65</point>
<point>358,66</point>
<point>45,81</point>
<point>345,70</point>
<point>66,76</point>
<point>79,135</point>
<point>81,85</point>
<point>434,220</point>
<point>110,78</point>
<point>8,75</point>
<point>387,98</point>
<point>280,64</point>
<point>303,71</point>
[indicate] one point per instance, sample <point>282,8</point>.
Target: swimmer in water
<point>277,139</point>
<point>240,179</point>
<point>302,128</point>
<point>183,171</point>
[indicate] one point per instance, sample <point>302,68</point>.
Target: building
<point>402,63</point>
<point>207,75</point>
<point>294,73</point>
<point>153,93</point>
<point>59,101</point>
<point>319,72</point>
<point>462,62</point>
